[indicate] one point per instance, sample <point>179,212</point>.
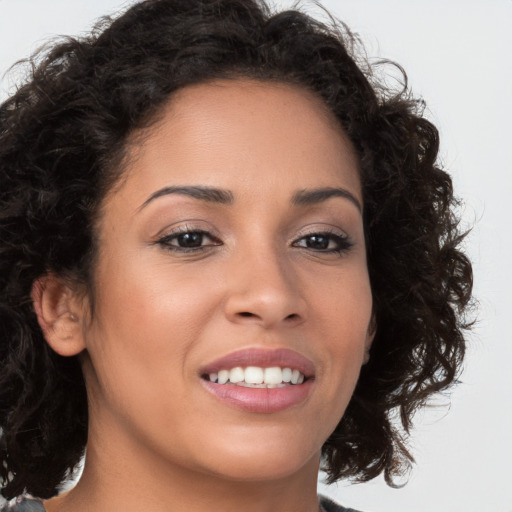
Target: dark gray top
<point>29,505</point>
<point>25,505</point>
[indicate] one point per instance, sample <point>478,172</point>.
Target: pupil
<point>190,240</point>
<point>317,242</point>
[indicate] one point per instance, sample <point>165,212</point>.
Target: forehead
<point>229,133</point>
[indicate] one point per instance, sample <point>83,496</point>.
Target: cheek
<point>144,296</point>
<point>342,327</point>
<point>147,322</point>
<point>343,305</point>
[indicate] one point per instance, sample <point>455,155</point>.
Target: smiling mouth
<point>259,380</point>
<point>257,377</point>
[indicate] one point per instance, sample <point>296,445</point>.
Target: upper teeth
<point>257,376</point>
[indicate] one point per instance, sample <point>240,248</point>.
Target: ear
<point>370,335</point>
<point>59,313</point>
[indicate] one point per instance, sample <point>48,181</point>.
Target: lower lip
<point>262,400</point>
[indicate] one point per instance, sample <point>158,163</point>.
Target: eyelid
<point>185,226</point>
<point>167,235</point>
<point>316,229</point>
<point>177,233</point>
<point>343,239</point>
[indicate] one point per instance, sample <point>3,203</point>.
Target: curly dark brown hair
<point>62,136</point>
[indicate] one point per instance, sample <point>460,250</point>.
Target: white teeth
<point>223,376</point>
<point>256,377</point>
<point>273,375</point>
<point>295,377</point>
<point>236,375</point>
<point>253,375</point>
<point>247,385</point>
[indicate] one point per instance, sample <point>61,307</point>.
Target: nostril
<point>248,314</point>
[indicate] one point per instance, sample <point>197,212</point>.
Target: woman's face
<point>234,240</point>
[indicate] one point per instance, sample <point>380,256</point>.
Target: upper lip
<point>264,358</point>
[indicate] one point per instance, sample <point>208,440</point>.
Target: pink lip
<point>261,400</point>
<point>282,357</point>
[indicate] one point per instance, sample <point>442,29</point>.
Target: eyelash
<point>343,242</point>
<point>166,240</point>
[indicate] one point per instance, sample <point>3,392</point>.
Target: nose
<point>264,290</point>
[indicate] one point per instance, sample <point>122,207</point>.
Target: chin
<point>263,459</point>
<point>263,470</point>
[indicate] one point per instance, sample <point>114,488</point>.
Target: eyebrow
<point>319,195</point>
<point>222,196</point>
<point>208,194</point>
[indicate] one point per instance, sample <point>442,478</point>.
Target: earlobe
<point>59,314</point>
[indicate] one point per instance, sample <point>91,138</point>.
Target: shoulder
<point>23,505</point>
<point>330,506</point>
<point>30,505</point>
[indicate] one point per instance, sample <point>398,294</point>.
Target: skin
<point>156,436</point>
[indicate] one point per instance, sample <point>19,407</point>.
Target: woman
<point>228,257</point>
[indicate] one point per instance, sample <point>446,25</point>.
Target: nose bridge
<point>263,287</point>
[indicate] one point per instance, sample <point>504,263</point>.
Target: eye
<point>188,240</point>
<point>326,242</point>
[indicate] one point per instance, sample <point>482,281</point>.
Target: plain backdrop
<point>457,56</point>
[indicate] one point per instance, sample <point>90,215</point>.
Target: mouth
<point>257,377</point>
<point>263,381</point>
